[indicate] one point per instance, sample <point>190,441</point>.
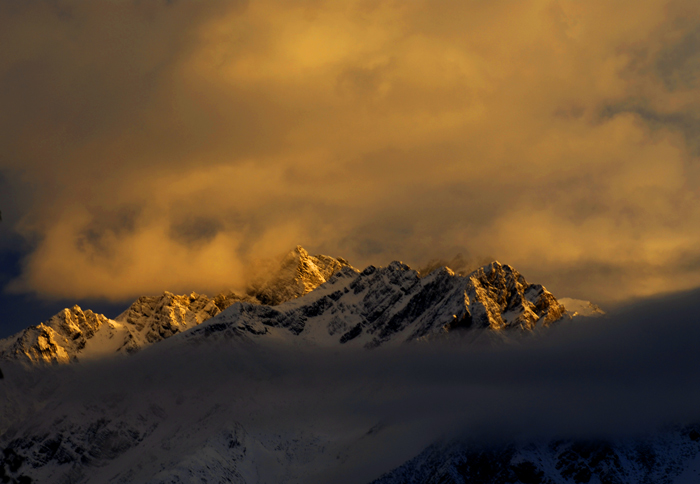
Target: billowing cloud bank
<point>151,146</point>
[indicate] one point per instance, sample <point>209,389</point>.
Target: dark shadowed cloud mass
<point>624,375</point>
<point>164,145</point>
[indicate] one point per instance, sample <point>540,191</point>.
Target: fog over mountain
<point>220,401</point>
<point>320,415</point>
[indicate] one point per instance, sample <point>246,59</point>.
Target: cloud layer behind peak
<point>165,145</point>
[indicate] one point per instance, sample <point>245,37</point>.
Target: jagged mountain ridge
<point>367,308</point>
<point>57,340</point>
<point>379,305</point>
<point>158,317</point>
<point>75,333</point>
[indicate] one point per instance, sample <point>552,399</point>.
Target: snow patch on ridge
<point>579,307</point>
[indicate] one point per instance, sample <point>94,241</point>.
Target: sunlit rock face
<point>58,340</point>
<point>393,305</point>
<point>502,299</point>
<point>74,334</point>
<point>155,318</point>
<point>299,273</point>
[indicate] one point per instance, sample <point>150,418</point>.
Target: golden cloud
<point>165,147</point>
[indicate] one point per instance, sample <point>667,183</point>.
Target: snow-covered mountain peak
<point>340,305</point>
<point>501,275</point>
<point>298,273</point>
<point>398,266</point>
<point>158,317</point>
<point>169,414</point>
<point>73,334</point>
<point>393,304</point>
<point>57,340</point>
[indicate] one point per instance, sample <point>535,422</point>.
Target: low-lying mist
<point>628,373</point>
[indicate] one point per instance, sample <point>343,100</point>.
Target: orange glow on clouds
<point>166,147</point>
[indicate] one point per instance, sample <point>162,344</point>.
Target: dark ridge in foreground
<point>657,459</point>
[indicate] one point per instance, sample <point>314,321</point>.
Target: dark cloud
<point>679,63</point>
<point>628,373</point>
<point>194,230</point>
<point>685,122</point>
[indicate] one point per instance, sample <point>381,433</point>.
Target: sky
<point>151,146</point>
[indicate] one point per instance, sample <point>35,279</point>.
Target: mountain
<point>298,273</point>
<point>231,390</point>
<point>74,334</point>
<point>391,305</point>
<point>666,457</point>
<point>151,319</point>
<point>341,305</point>
<point>57,340</point>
